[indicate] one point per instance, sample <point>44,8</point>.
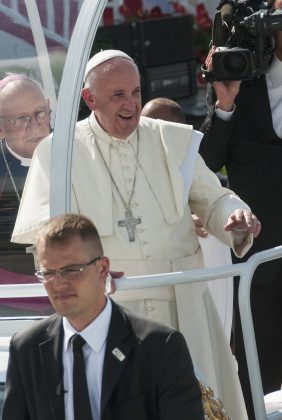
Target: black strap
<point>81,401</point>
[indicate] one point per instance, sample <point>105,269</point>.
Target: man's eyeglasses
<point>24,121</point>
<point>72,272</point>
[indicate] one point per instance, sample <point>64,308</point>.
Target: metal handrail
<point>244,270</point>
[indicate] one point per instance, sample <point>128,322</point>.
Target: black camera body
<point>242,33</point>
<point>233,64</point>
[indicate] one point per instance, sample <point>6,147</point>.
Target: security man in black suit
<point>133,368</point>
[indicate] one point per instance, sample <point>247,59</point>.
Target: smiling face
<point>113,92</point>
<point>23,98</point>
<point>80,300</point>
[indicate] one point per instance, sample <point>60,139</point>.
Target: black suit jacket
<point>155,381</point>
<point>13,257</point>
<point>252,154</point>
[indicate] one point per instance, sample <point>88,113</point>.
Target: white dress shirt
<point>95,336</point>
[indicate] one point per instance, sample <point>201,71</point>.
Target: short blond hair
<point>62,229</point>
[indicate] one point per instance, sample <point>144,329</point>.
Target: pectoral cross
<point>130,223</point>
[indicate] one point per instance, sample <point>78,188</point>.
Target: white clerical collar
<point>105,136</point>
<point>274,75</point>
<point>24,161</point>
<point>95,334</point>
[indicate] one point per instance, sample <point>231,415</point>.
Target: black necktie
<point>81,401</point>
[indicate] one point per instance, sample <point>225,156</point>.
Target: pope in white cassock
<point>139,179</point>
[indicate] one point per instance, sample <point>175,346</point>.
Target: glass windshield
<point>34,40</point>
<point>50,41</point>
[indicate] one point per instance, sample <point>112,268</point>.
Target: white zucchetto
<point>103,56</point>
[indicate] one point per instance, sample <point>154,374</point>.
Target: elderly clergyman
<point>24,122</point>
<point>139,179</point>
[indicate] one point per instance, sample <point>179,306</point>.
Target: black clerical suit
<point>252,153</point>
<point>155,381</point>
<point>13,256</point>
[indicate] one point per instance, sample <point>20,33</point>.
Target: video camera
<point>242,33</point>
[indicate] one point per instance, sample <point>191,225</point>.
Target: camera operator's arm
<point>217,127</point>
<point>226,91</point>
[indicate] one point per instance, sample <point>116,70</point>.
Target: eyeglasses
<point>24,121</point>
<point>72,272</point>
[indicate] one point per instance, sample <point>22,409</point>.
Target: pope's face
<point>117,97</point>
<point>18,99</point>
<point>79,299</point>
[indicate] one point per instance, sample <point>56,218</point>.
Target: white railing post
<point>250,342</point>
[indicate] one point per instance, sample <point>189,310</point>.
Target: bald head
<point>16,84</point>
<point>164,109</point>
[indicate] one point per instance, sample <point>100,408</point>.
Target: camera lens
<point>235,63</point>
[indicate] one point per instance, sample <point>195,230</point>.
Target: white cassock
<point>217,254</point>
<point>165,240</point>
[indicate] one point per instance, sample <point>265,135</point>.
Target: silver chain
<point>9,171</point>
<point>128,204</point>
<point>147,179</point>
